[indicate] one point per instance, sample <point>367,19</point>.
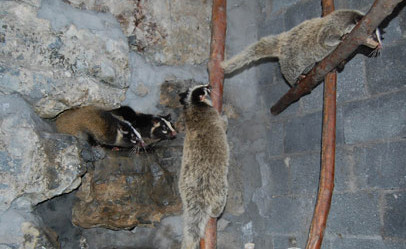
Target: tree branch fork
<point>360,35</point>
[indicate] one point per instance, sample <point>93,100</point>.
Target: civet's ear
<point>156,121</point>
<point>183,97</point>
<point>167,117</point>
<point>357,18</point>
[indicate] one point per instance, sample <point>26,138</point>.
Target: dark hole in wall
<point>137,198</point>
<point>57,215</point>
<point>120,191</point>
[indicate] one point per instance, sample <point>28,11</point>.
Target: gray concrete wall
<point>279,156</point>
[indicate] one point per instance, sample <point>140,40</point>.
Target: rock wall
<point>58,64</point>
<point>123,191</point>
<point>36,165</point>
<point>166,32</point>
<point>55,55</point>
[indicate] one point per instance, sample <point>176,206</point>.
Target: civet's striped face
<point>130,133</point>
<point>196,95</point>
<point>163,128</point>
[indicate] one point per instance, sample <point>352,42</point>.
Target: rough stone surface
<point>90,44</point>
<point>362,243</point>
<point>304,174</point>
<point>275,179</point>
<point>376,118</point>
<point>362,5</point>
<point>270,94</point>
<point>390,61</point>
<point>166,235</point>
<point>303,133</point>
<point>36,163</point>
<point>344,179</point>
<point>289,214</point>
<point>352,82</point>
<point>228,241</point>
<point>381,166</point>
<point>313,101</point>
<point>351,86</point>
<point>19,229</point>
<point>354,214</point>
<point>395,218</point>
<point>123,192</point>
<point>166,32</point>
<point>169,97</point>
<point>58,213</point>
<point>59,66</point>
<point>275,138</point>
<point>300,11</point>
<point>144,92</point>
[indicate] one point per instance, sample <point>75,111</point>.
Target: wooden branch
<point>210,236</point>
<point>218,39</point>
<point>216,77</point>
<point>326,182</point>
<point>359,35</point>
<point>327,6</point>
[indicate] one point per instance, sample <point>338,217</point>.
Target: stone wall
<point>280,155</point>
<point>64,53</point>
<point>56,55</point>
<point>166,32</point>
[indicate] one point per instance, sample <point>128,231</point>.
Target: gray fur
<point>301,47</point>
<point>203,178</point>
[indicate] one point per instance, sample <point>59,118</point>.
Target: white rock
<point>167,32</point>
<point>55,70</point>
<point>35,162</point>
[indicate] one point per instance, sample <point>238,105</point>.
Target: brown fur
<point>92,123</point>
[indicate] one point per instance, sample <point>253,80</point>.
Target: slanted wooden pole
<point>379,10</point>
<point>328,143</point>
<point>216,78</point>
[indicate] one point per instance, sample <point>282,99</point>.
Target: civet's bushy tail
<point>194,228</point>
<point>266,47</point>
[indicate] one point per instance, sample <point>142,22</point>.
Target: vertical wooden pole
<point>326,184</point>
<point>210,236</point>
<point>217,46</point>
<point>216,77</point>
